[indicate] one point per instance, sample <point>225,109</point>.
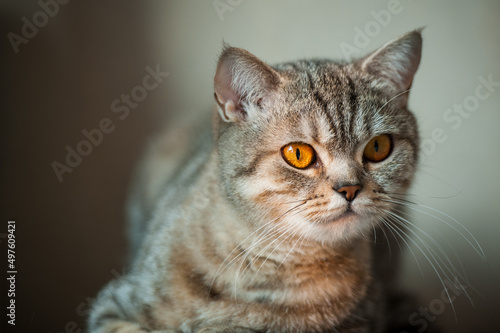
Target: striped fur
<point>239,240</point>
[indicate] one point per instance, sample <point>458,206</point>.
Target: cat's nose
<point>348,191</point>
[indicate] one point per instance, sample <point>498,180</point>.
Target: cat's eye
<point>378,148</point>
<point>299,155</point>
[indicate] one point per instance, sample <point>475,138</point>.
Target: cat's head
<point>317,147</point>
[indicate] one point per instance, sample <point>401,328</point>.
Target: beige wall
<point>65,78</point>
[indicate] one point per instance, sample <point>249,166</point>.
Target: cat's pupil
<point>376,146</point>
<point>297,153</point>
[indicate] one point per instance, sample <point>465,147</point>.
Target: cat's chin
<point>345,226</point>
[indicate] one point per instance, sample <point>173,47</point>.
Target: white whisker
<point>428,259</point>
<point>222,268</point>
<point>479,250</point>
<point>393,230</point>
<point>277,246</point>
<point>393,98</point>
<point>437,258</point>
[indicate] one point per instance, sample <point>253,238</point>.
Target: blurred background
<point>67,68</point>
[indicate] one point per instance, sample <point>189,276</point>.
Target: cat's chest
<point>313,296</point>
<point>306,293</point>
<point>309,300</point>
<point>308,281</point>
<point>314,277</point>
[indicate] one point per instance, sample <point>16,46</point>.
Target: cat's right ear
<point>242,84</point>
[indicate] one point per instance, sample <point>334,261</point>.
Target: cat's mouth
<point>347,214</point>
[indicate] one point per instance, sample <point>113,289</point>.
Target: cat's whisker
<point>405,203</point>
<point>374,236</point>
<point>393,98</point>
<point>295,201</point>
<point>263,239</point>
<point>452,270</point>
<point>271,233</point>
<point>428,259</point>
<point>393,235</point>
<point>264,226</point>
<point>277,246</point>
<point>267,236</point>
<point>422,168</point>
<point>303,236</point>
<point>450,279</point>
<point>280,231</point>
<point>449,273</point>
<point>222,268</point>
<point>437,258</point>
<point>435,242</point>
<point>430,197</point>
<point>307,234</point>
<point>265,248</point>
<point>385,235</point>
<point>256,242</point>
<point>402,200</point>
<point>394,232</point>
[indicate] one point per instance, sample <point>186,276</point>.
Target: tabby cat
<point>266,222</point>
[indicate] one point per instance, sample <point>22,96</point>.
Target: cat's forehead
<point>333,104</point>
<point>310,75</point>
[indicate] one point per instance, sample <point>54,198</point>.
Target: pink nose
<point>349,191</point>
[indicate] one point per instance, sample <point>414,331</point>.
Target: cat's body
<point>241,238</point>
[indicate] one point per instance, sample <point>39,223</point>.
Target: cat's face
<point>316,148</point>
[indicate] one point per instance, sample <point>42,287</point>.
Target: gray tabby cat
<point>266,223</point>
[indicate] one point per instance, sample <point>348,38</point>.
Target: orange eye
<point>378,148</point>
<point>298,155</point>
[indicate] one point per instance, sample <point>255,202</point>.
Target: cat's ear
<point>396,62</point>
<point>242,83</point>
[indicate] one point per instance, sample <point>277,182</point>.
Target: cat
<point>265,222</point>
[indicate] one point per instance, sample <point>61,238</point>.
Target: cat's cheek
<point>396,172</point>
<point>371,205</point>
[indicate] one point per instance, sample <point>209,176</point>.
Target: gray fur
<point>239,240</point>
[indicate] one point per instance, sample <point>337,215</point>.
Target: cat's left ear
<point>396,62</point>
<point>242,84</point>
